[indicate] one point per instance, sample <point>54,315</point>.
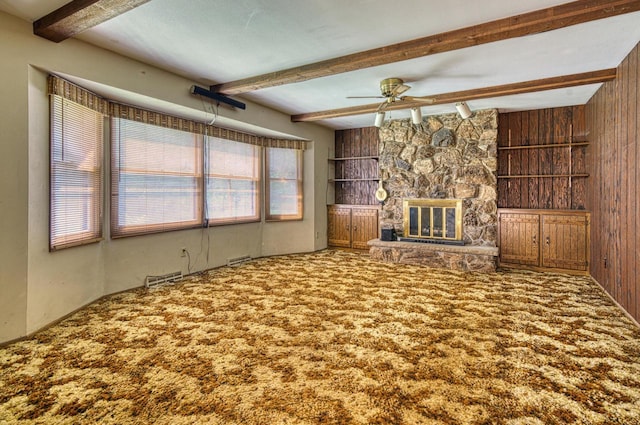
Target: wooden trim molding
<point>480,93</point>
<point>79,15</point>
<point>535,22</point>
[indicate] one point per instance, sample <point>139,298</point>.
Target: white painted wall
<point>38,287</point>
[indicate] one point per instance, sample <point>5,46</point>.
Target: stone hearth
<point>465,258</point>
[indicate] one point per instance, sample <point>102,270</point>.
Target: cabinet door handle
<point>347,227</point>
<point>534,239</point>
<point>355,228</point>
<point>547,240</point>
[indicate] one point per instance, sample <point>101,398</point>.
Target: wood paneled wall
<point>612,196</point>
<point>542,127</point>
<point>361,187</point>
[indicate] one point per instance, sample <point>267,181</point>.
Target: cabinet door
<point>519,238</point>
<point>565,241</point>
<point>339,226</point>
<point>364,227</point>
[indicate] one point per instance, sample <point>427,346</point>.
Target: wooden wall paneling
<point>634,188</point>
<point>515,187</point>
<point>609,186</point>
<point>503,184</point>
<point>602,199</point>
<point>578,188</point>
<point>545,162</point>
<point>613,122</point>
<point>595,121</point>
<point>607,195</point>
<point>607,208</point>
<point>623,161</point>
<point>634,110</point>
<point>629,88</point>
<point>339,166</point>
<point>590,135</point>
<point>376,139</point>
<point>524,159</point>
<point>533,161</point>
<point>560,158</point>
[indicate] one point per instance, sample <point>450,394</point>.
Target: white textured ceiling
<point>216,41</point>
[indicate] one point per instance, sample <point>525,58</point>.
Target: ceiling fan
<point>391,89</point>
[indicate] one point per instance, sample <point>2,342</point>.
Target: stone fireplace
<point>444,158</point>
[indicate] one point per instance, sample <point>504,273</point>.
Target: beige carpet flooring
<point>333,338</point>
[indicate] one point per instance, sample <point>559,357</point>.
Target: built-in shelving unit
<point>542,159</point>
<point>354,167</point>
<point>354,176</point>
<point>570,145</point>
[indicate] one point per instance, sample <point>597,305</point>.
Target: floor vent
<point>238,260</point>
<point>152,281</point>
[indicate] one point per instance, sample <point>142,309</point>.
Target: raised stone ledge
<point>454,257</point>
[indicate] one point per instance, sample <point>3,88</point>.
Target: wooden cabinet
<point>555,240</point>
<point>519,237</point>
<point>352,226</point>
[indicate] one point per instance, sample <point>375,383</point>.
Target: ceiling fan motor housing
<point>388,85</point>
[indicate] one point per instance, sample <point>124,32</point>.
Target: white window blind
<point>76,174</point>
<point>232,181</point>
<point>283,184</point>
<point>156,178</point>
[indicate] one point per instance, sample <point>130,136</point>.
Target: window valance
<point>91,100</point>
<point>77,94</point>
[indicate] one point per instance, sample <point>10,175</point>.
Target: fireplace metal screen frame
<point>407,204</point>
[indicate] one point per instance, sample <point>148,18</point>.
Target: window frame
<point>94,232</point>
<point>119,230</point>
<point>258,179</point>
<point>269,216</point>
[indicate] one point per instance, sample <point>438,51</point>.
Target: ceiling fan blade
<point>399,89</point>
<point>365,97</point>
<point>383,106</point>
<point>424,99</point>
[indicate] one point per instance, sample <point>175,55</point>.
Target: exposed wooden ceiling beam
<point>79,15</point>
<point>539,21</point>
<point>466,95</point>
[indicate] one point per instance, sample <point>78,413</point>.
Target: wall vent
<point>151,281</point>
<point>238,260</point>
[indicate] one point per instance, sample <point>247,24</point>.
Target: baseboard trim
<point>626,313</point>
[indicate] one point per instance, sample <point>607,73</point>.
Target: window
<point>284,184</point>
<point>156,181</point>
<point>76,174</point>
<point>232,181</point>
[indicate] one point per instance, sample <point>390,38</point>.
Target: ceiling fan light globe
<point>464,110</point>
<point>416,116</point>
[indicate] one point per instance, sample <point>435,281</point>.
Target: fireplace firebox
<point>432,221</point>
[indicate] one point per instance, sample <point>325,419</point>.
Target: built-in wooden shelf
<point>371,179</point>
<point>525,176</point>
<point>549,145</point>
<point>353,158</point>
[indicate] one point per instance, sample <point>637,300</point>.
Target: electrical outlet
<point>183,252</point>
